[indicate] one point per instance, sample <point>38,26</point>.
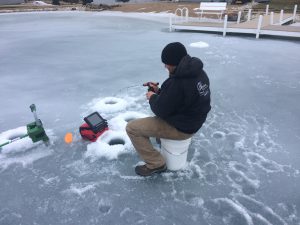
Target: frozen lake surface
<point>243,165</point>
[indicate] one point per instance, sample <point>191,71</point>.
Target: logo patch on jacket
<point>202,88</point>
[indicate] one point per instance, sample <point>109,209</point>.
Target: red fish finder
<point>94,127</point>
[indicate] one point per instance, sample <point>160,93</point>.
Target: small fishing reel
<point>150,88</point>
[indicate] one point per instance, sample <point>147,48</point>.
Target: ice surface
<point>243,165</point>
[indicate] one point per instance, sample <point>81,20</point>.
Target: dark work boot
<point>145,171</point>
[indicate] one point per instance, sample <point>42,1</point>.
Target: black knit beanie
<point>173,53</point>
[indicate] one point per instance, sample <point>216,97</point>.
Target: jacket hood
<point>188,67</point>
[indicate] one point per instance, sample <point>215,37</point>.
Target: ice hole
<point>116,141</point>
<point>128,119</point>
<point>110,102</point>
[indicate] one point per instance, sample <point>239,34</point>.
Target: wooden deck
<point>248,27</point>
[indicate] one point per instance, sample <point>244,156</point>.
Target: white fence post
<point>267,10</point>
<point>259,26</point>
<point>170,23</point>
<point>239,17</point>
<point>180,14</point>
<point>295,13</point>
<point>225,25</point>
<point>249,14</point>
<point>272,18</point>
<point>186,10</point>
<point>281,17</point>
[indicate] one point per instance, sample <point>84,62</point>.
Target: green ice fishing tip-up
<point>35,131</point>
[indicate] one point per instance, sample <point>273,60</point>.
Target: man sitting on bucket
<point>180,107</point>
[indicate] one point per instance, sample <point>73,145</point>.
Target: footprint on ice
<point>229,211</point>
<point>104,206</point>
<point>218,135</point>
<point>263,163</point>
<point>259,208</point>
<point>199,44</point>
<point>238,175</point>
<point>110,145</point>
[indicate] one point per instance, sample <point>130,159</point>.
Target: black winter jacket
<point>184,98</point>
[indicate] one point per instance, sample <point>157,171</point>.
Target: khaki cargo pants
<point>140,131</point>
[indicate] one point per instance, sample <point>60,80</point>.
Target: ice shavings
<point>120,121</point>
<point>189,170</point>
<point>50,180</point>
<point>132,177</point>
<point>110,145</point>
<point>20,145</point>
<point>80,188</point>
<point>17,146</point>
<point>118,112</point>
<point>24,159</point>
<point>22,151</point>
<point>199,44</point>
<point>109,105</point>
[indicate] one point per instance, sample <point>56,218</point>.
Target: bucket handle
<point>175,154</point>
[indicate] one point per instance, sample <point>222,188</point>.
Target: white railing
<point>180,15</point>
<point>183,17</point>
<point>295,13</point>
<point>267,12</point>
<point>183,14</point>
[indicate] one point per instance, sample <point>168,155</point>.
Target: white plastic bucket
<point>175,152</point>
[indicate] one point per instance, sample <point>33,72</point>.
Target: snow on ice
<point>199,44</point>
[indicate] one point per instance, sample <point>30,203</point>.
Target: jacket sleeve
<point>166,102</point>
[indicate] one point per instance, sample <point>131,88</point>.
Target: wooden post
<point>259,26</point>
<point>267,10</point>
<point>295,13</point>
<point>281,17</point>
<point>225,25</point>
<point>239,17</point>
<point>249,14</point>
<point>272,18</point>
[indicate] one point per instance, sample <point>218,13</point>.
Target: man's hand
<point>152,86</point>
<point>149,94</point>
